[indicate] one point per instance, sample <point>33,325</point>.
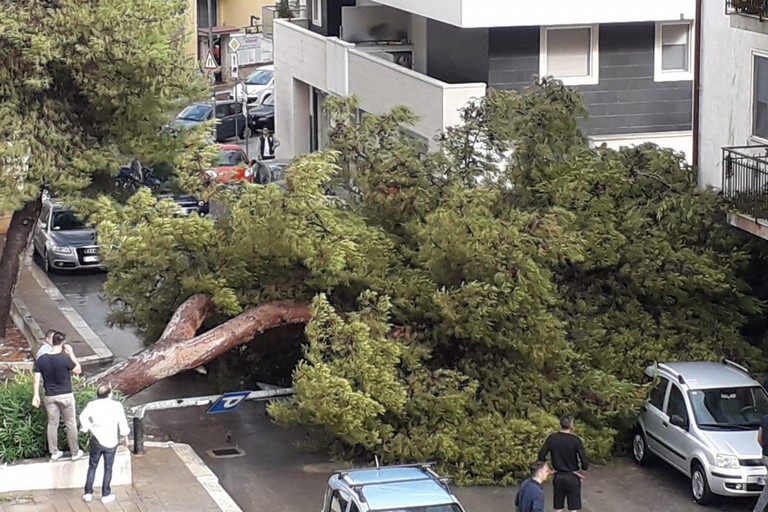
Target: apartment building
<point>732,138</point>
<point>632,61</point>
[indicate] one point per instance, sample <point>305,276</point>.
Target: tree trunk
<point>166,359</point>
<point>186,321</point>
<point>16,241</point>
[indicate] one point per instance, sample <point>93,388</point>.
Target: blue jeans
<point>96,451</point>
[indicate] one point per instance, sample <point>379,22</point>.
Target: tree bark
<point>186,320</point>
<point>16,241</point>
<point>166,359</point>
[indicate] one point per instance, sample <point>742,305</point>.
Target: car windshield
<point>729,408</point>
<point>261,77</point>
<point>230,157</point>
<point>65,221</point>
<point>195,113</point>
<point>450,507</point>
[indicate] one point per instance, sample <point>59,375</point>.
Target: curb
<point>201,472</point>
<point>21,316</point>
<point>101,354</point>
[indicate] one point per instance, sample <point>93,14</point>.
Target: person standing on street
<point>762,501</point>
<point>56,369</point>
<point>569,461</point>
<point>530,496</point>
<point>47,345</point>
<point>105,419</point>
<point>267,144</point>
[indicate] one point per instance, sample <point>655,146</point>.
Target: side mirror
<point>678,421</point>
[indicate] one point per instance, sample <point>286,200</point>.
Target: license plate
<point>90,259</point>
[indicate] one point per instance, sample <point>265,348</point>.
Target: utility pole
<point>210,49</point>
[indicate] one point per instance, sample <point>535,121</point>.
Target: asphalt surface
<point>279,471</point>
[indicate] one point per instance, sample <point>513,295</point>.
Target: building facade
<point>633,62</point>
<point>733,111</point>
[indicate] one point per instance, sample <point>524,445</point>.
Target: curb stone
<point>102,354</point>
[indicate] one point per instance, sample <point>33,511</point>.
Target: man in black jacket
<point>569,461</point>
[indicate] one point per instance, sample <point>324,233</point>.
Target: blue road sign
<point>228,402</point>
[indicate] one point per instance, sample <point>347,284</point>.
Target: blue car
<point>410,488</point>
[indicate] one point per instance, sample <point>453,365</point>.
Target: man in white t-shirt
<point>267,145</point>
<point>105,419</point>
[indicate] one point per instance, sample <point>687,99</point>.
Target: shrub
<point>22,427</point>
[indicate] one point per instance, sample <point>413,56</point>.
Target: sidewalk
<point>163,481</point>
<point>48,309</point>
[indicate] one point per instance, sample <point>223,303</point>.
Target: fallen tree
<point>173,353</point>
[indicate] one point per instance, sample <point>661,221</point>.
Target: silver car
<point>702,419</point>
<point>63,241</point>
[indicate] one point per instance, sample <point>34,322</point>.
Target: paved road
<point>277,473</point>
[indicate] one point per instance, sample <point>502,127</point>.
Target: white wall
<point>510,13</point>
<point>418,37</point>
<point>726,88</point>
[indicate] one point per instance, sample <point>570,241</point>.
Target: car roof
<point>231,147</point>
<point>707,375</point>
<point>267,67</point>
<point>393,488</point>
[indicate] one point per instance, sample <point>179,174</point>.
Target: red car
<point>232,164</point>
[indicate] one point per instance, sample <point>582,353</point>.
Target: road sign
<point>210,62</point>
<point>234,44</point>
<point>228,402</point>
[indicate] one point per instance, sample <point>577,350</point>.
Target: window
<point>339,502</point>
<point>570,54</point>
<point>658,392</point>
<point>760,100</point>
<point>317,13</point>
<point>673,52</point>
<point>676,405</point>
<point>729,408</point>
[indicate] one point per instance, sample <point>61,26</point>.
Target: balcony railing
<point>745,179</point>
<point>758,8</point>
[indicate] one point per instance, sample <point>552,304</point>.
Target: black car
<point>187,203</point>
<point>231,122</point>
<point>263,115</point>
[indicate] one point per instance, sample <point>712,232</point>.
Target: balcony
<point>757,8</point>
<point>338,67</point>
<point>745,185</point>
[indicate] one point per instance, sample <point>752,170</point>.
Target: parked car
<point>187,203</point>
<point>63,241</point>
<point>410,488</point>
<point>702,419</point>
<point>229,116</point>
<point>261,79</point>
<point>231,164</point>
<point>263,115</point>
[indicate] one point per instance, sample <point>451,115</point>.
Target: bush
<point>22,427</point>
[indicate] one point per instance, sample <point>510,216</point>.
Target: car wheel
<point>699,485</point>
<point>47,263</point>
<point>640,452</point>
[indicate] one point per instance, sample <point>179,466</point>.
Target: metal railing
<point>758,8</point>
<point>745,179</point>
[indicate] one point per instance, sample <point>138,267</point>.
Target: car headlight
<point>61,250</point>
<point>201,203</point>
<point>726,461</point>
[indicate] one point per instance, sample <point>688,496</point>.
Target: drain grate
<point>226,453</point>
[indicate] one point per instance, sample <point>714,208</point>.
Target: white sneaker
<point>109,498</point>
<point>57,455</point>
<point>77,455</point>
<point>87,498</point>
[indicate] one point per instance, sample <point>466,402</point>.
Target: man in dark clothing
<point>762,501</point>
<point>267,145</point>
<point>569,461</point>
<point>56,369</point>
<point>530,496</point>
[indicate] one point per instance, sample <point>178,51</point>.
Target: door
<point>678,441</point>
<point>43,225</point>
<point>653,416</point>
<point>225,124</point>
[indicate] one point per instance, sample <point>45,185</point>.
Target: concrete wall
<point>726,87</point>
<point>511,13</point>
<point>625,101</point>
<point>455,54</point>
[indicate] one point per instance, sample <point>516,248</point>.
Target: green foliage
<point>23,428</point>
<point>466,298</point>
<point>87,87</point>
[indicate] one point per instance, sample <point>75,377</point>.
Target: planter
<point>40,474</point>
